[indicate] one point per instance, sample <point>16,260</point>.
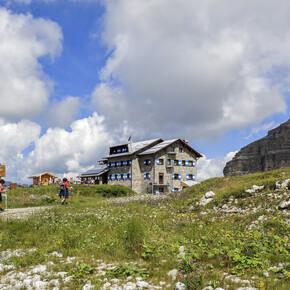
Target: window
<point>191,163</point>
<point>147,162</point>
<point>118,150</point>
<point>168,161</point>
<point>161,189</point>
<point>129,176</point>
<point>125,163</point>
<point>180,150</point>
<point>176,176</point>
<point>171,149</point>
<point>190,177</point>
<point>175,162</point>
<point>147,176</point>
<point>183,162</point>
<point>159,161</point>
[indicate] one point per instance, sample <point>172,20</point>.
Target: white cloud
<point>24,40</point>
<point>199,69</point>
<point>208,168</point>
<point>15,138</point>
<point>62,151</point>
<point>62,114</point>
<point>264,127</point>
<point>57,151</point>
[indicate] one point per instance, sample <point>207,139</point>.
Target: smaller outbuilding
<point>96,175</point>
<point>44,178</point>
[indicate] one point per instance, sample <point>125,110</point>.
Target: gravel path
<point>20,213</point>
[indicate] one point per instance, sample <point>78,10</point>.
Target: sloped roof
<point>135,147</point>
<point>190,182</point>
<point>40,174</point>
<point>95,171</point>
<point>158,147</point>
<point>166,144</point>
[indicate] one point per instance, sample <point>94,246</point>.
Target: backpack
<point>62,187</point>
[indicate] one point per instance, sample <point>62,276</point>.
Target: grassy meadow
<point>149,237</point>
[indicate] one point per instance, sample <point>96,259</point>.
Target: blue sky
<point>79,76</point>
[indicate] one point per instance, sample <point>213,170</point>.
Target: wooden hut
<point>44,178</point>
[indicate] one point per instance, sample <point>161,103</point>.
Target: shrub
<point>49,199</point>
<point>127,270</point>
<point>270,184</point>
<point>104,190</point>
<point>190,273</point>
<point>81,272</point>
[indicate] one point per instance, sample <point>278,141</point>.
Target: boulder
<point>284,204</point>
<point>179,286</point>
<point>209,194</point>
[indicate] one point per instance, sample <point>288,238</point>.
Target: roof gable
<point>166,144</point>
<point>43,173</point>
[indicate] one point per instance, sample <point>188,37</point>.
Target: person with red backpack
<point>2,181</point>
<point>63,193</point>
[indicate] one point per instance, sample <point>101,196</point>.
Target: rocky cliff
<point>266,154</point>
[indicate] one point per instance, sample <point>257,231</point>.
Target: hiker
<point>2,181</point>
<point>63,193</point>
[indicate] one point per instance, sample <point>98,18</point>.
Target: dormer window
<point>119,149</point>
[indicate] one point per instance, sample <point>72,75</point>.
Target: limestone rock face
<point>266,154</point>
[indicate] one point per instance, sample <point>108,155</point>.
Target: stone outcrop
<point>266,154</point>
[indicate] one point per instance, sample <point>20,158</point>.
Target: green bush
<point>104,190</point>
<point>270,184</point>
<point>49,200</point>
<point>81,273</point>
<point>190,273</point>
<point>126,270</point>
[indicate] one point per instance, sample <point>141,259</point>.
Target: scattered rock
<point>208,197</point>
<point>173,273</point>
<point>225,206</point>
<point>179,286</point>
<point>284,204</point>
<point>282,185</point>
<point>142,284</point>
<point>254,189</point>
<point>209,194</point>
